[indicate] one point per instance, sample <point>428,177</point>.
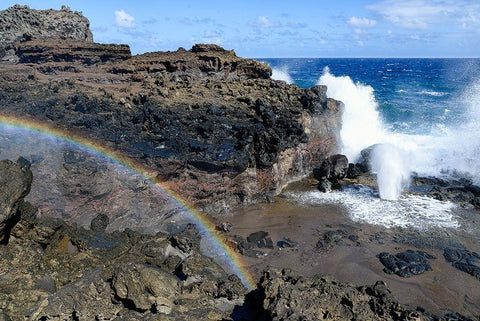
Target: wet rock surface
<point>406,264</point>
<point>464,260</point>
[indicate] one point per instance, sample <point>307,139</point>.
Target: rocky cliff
<point>212,125</point>
<point>21,23</point>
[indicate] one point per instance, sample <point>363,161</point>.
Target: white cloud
<point>422,14</point>
<point>263,22</point>
<point>124,20</point>
<point>361,22</point>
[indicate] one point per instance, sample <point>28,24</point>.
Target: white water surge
<point>451,152</point>
<point>281,73</point>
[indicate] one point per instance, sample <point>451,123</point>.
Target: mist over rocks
<point>212,125</point>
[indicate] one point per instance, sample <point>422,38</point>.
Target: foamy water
<point>282,74</point>
<point>365,206</point>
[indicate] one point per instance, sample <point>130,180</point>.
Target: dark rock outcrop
<point>464,260</point>
<point>460,191</point>
<point>332,170</point>
<point>60,50</point>
<point>15,180</point>
<point>406,264</point>
<point>20,23</point>
<point>289,296</point>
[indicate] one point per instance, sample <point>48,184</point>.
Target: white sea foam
<point>432,93</point>
<point>364,205</point>
<point>281,73</point>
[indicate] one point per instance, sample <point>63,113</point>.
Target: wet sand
<point>355,261</point>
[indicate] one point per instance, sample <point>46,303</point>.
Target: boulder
<point>15,183</point>
<point>261,239</point>
<point>99,223</point>
<point>145,288</point>
<point>332,170</point>
<point>406,264</point>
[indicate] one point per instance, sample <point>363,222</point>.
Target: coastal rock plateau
<point>213,126</point>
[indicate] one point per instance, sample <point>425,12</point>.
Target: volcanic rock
<point>20,23</point>
<point>261,239</point>
<point>287,243</point>
<point>213,126</point>
<point>464,260</point>
<point>289,296</point>
<point>99,223</point>
<point>332,170</point>
<point>16,180</point>
<point>406,264</point>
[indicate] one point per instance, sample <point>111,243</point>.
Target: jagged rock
<point>88,298</point>
<point>459,191</point>
<point>20,23</point>
<point>15,180</point>
<point>334,238</point>
<point>332,170</point>
<point>145,288</point>
<point>42,51</point>
<point>406,264</point>
<point>287,243</point>
<point>288,296</point>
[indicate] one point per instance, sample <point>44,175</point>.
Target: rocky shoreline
<point>87,274</point>
<point>83,238</point>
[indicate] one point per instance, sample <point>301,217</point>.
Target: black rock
<point>99,223</point>
<point>406,264</point>
<point>261,239</point>
<point>225,227</point>
<point>286,242</point>
<point>464,260</point>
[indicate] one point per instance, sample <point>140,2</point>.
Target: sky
<point>286,28</point>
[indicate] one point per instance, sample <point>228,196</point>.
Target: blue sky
<point>302,28</point>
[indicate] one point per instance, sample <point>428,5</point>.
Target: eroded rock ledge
<point>214,126</point>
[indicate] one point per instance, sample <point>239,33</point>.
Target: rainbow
<point>205,226</point>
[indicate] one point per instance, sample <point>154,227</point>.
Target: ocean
<point>426,112</point>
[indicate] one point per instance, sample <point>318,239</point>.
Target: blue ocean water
<point>415,96</point>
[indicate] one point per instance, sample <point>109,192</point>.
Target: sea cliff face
<point>212,125</point>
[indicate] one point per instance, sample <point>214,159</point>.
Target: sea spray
<point>393,174</point>
<point>361,123</point>
<point>362,127</point>
<point>281,73</point>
